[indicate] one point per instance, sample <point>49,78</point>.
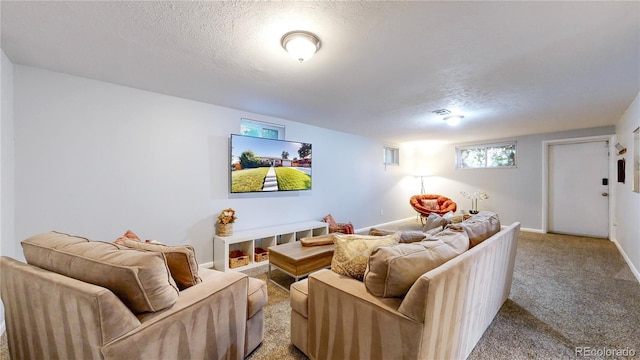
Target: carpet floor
<point>569,293</point>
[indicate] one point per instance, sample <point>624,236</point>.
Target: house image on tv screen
<point>260,164</point>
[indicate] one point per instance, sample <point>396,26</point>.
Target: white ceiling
<point>511,68</point>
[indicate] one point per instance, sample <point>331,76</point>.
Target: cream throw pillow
<point>351,252</point>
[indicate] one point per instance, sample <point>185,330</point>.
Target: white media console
<point>248,240</point>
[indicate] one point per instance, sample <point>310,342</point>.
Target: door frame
<point>545,176</point>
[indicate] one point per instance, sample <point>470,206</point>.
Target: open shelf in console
<point>249,240</point>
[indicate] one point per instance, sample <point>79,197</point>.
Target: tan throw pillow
<point>405,236</point>
<point>431,232</point>
<point>317,240</point>
<point>393,269</point>
<point>180,259</point>
<point>141,279</point>
<point>352,252</point>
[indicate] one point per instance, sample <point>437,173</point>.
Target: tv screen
<point>260,164</point>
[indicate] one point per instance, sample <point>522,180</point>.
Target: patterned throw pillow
<point>430,204</point>
<point>351,252</point>
<point>129,235</point>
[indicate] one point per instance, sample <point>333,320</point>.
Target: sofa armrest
<point>207,321</point>
<point>354,288</point>
<point>50,314</point>
<point>461,297</point>
<point>346,322</point>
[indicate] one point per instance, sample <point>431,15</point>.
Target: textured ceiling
<point>511,68</point>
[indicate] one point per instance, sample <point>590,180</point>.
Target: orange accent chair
<point>426,204</point>
<point>345,228</point>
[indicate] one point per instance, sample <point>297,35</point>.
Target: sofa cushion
<point>141,279</point>
<point>393,269</point>
<point>352,252</point>
<point>434,221</point>
<point>300,297</point>
<point>256,297</point>
<point>180,259</point>
<point>479,227</point>
<point>454,237</point>
<point>431,232</point>
<point>405,236</point>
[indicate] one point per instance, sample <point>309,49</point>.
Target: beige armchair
<point>51,315</point>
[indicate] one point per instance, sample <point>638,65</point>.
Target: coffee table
<point>299,261</point>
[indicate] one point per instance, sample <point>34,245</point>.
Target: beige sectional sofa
<point>441,314</point>
<point>82,299</point>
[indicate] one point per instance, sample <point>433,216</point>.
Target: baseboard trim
<point>634,271</point>
<point>539,231</point>
<point>207,265</point>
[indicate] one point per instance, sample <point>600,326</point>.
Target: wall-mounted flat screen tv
<point>263,165</point>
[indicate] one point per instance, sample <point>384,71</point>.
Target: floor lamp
<point>422,174</point>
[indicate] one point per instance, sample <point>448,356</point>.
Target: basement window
<point>391,155</point>
<point>497,155</point>
<point>261,129</point>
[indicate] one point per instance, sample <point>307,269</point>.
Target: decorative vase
<point>474,207</point>
<point>225,229</point>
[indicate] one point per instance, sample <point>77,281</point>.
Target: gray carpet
<point>567,292</point>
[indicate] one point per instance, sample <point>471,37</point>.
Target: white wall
<point>627,226</point>
<point>7,202</point>
<point>96,159</point>
<point>7,243</point>
<point>515,194</point>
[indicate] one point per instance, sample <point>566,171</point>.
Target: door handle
<point>605,194</point>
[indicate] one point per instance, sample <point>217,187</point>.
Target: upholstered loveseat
<point>82,299</point>
<point>440,315</point>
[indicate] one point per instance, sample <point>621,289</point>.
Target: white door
<point>578,196</point>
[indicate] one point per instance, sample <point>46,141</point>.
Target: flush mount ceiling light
<point>300,44</point>
<point>453,120</point>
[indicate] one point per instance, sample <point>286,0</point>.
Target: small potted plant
<point>225,222</point>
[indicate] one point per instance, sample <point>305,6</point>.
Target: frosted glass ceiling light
<point>300,44</point>
<point>453,120</point>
